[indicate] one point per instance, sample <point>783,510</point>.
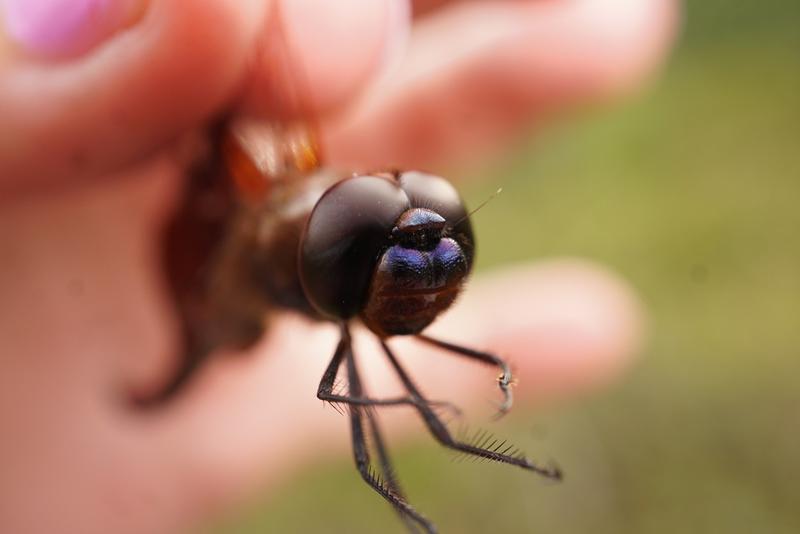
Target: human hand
<point>87,177</point>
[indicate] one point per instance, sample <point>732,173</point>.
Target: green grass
<point>693,193</point>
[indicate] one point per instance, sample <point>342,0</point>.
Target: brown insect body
<point>261,227</point>
<point>230,251</point>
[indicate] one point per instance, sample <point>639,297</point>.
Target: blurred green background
<point>691,191</point>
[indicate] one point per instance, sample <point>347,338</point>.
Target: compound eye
<point>346,233</point>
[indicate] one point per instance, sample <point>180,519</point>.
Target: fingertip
<point>567,326</point>
<point>618,45</point>
<point>477,72</point>
<point>65,28</point>
<point>316,55</point>
<point>579,326</point>
<point>119,102</point>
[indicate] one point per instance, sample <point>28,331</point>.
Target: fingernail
<point>63,28</point>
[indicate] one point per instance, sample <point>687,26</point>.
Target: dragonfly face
<point>392,249</point>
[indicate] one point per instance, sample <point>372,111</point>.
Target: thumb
<point>84,115</point>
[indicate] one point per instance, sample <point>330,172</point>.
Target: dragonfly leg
<point>505,380</point>
<point>384,483</point>
<point>344,352</point>
<point>482,445</point>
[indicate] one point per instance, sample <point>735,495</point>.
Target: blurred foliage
<point>693,193</point>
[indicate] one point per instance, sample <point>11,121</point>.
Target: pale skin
<point>88,172</point>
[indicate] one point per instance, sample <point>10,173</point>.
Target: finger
<point>167,72</point>
<point>477,72</point>
<point>316,55</point>
<point>568,326</point>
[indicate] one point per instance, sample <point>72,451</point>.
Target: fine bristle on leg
<point>481,447</point>
<point>384,483</point>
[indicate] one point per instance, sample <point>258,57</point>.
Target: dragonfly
<point>264,226</point>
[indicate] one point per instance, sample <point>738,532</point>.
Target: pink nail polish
<point>65,27</point>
